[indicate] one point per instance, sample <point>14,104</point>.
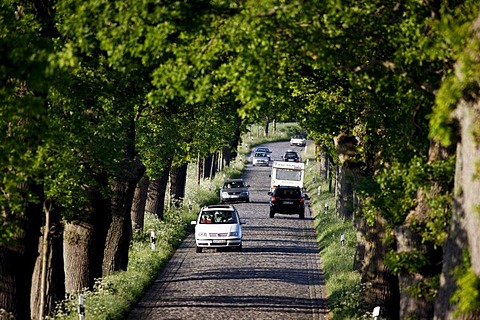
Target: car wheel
<point>272,214</point>
<point>239,248</point>
<point>248,200</point>
<point>199,250</point>
<point>302,215</point>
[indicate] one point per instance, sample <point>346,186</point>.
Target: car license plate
<point>219,241</point>
<point>287,202</point>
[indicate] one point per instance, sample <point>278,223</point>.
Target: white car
<point>298,141</point>
<point>218,226</point>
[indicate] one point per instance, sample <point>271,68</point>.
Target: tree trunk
<point>198,169</point>
<point>207,167</point>
<point>267,124</point>
<point>118,236</point>
<point>17,261</point>
<point>236,140</point>
<point>420,306</point>
<point>465,223</point>
<point>226,155</point>
<point>345,195</point>
<point>138,205</point>
<point>157,192</point>
<point>48,276</point>
<point>178,179</point>
<point>381,284</point>
<point>84,243</point>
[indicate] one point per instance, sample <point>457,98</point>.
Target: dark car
<point>234,190</point>
<point>291,155</point>
<point>287,200</point>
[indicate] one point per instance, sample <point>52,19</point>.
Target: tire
<point>272,214</point>
<point>302,215</point>
<point>248,200</point>
<point>199,250</point>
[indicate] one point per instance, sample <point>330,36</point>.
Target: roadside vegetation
<point>342,282</point>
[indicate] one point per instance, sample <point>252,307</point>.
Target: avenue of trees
<point>100,100</point>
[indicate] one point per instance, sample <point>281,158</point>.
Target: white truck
<point>286,173</point>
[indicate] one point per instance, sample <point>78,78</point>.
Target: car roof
<point>218,206</point>
<point>233,180</point>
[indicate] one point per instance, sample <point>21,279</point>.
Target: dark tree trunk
<point>226,152</point>
<point>17,261</point>
<point>157,192</point>
<point>53,276</point>
<point>213,165</point>
<point>138,205</point>
<point>236,140</point>
<point>207,167</point>
<point>178,179</point>
<point>118,236</point>
<point>382,286</point>
<point>84,242</point>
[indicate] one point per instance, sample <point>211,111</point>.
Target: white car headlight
<point>201,234</point>
<point>234,234</point>
<point>224,194</point>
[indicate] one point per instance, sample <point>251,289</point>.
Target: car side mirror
<point>306,196</point>
<point>193,222</point>
<point>242,221</point>
<point>248,186</point>
<point>270,193</point>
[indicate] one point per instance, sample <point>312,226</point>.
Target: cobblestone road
<point>276,276</point>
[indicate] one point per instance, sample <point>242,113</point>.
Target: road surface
<point>276,276</point>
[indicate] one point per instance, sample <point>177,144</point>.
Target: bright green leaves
<point>23,116</point>
<point>463,42</point>
<point>467,295</point>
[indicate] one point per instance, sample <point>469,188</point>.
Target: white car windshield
<point>218,217</point>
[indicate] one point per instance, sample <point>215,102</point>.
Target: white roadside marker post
<point>153,240</point>
<point>81,307</point>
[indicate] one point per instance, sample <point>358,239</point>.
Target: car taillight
<point>274,199</point>
<point>302,200</point>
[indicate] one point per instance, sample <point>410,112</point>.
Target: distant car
<point>287,200</point>
<point>234,190</point>
<point>260,159</point>
<point>298,141</point>
<point>218,226</point>
<point>291,155</point>
<point>264,150</point>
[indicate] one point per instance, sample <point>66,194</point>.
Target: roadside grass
<point>342,283</point>
<point>113,296</point>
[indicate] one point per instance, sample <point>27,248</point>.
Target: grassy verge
<point>113,296</point>
<point>343,284</point>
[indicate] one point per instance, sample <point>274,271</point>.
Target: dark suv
<point>287,200</point>
<point>291,155</point>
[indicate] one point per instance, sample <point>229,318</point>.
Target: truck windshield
<point>286,174</point>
